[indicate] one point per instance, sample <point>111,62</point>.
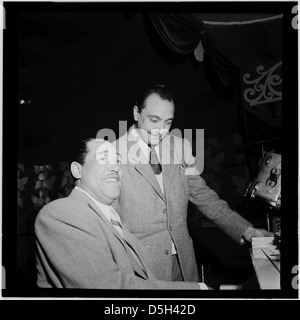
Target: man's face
<point>101,173</point>
<point>155,119</point>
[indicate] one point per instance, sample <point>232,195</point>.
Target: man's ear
<point>136,113</point>
<point>76,169</point>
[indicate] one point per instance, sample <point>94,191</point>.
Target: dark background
<point>71,70</point>
<point>89,69</point>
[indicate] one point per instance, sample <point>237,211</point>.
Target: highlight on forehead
<point>94,144</point>
<point>107,150</point>
<point>105,145</point>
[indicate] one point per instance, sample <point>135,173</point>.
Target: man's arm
<point>216,209</point>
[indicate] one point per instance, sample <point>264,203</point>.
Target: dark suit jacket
<point>79,248</point>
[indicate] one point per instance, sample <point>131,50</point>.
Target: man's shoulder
<point>177,141</point>
<point>175,138</point>
<point>60,202</point>
<point>55,205</point>
<point>59,207</point>
<point>124,138</point>
<point>124,143</point>
<point>65,211</point>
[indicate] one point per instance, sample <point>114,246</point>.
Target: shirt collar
<point>108,211</point>
<point>142,144</point>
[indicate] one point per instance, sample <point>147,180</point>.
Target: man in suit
<point>154,196</point>
<point>81,242</point>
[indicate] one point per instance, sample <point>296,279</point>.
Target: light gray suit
<point>156,218</point>
<point>77,247</point>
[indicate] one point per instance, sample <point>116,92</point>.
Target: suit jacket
<point>157,218</point>
<point>77,247</point>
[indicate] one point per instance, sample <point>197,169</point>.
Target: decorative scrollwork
<point>263,90</point>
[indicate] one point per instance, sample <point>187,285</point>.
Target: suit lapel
<point>77,194</point>
<point>137,158</point>
<point>139,249</point>
<point>146,171</point>
<point>168,166</point>
<point>120,238</point>
<point>93,207</point>
<point>168,175</point>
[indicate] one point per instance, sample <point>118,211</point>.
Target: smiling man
<point>81,242</point>
<point>160,177</point>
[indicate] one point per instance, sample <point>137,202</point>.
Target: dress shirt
<point>146,151</point>
<point>108,211</point>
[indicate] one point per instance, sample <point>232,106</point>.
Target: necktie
<point>136,261</point>
<point>154,162</point>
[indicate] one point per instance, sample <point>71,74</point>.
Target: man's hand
<point>255,232</point>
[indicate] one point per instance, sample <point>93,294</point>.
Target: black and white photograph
<point>150,150</point>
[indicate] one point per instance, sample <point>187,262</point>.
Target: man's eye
<point>102,161</point>
<point>153,120</point>
<point>168,123</point>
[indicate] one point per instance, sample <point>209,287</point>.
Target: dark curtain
<point>180,31</point>
<point>220,72</point>
<point>233,45</point>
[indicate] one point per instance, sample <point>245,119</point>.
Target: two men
<point>81,242</point>
<point>153,202</point>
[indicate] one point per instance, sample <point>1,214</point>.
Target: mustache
<point>113,175</point>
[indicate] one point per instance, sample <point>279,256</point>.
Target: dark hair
<point>160,89</point>
<point>79,150</point>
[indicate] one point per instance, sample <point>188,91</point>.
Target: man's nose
<point>161,126</point>
<point>115,167</point>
